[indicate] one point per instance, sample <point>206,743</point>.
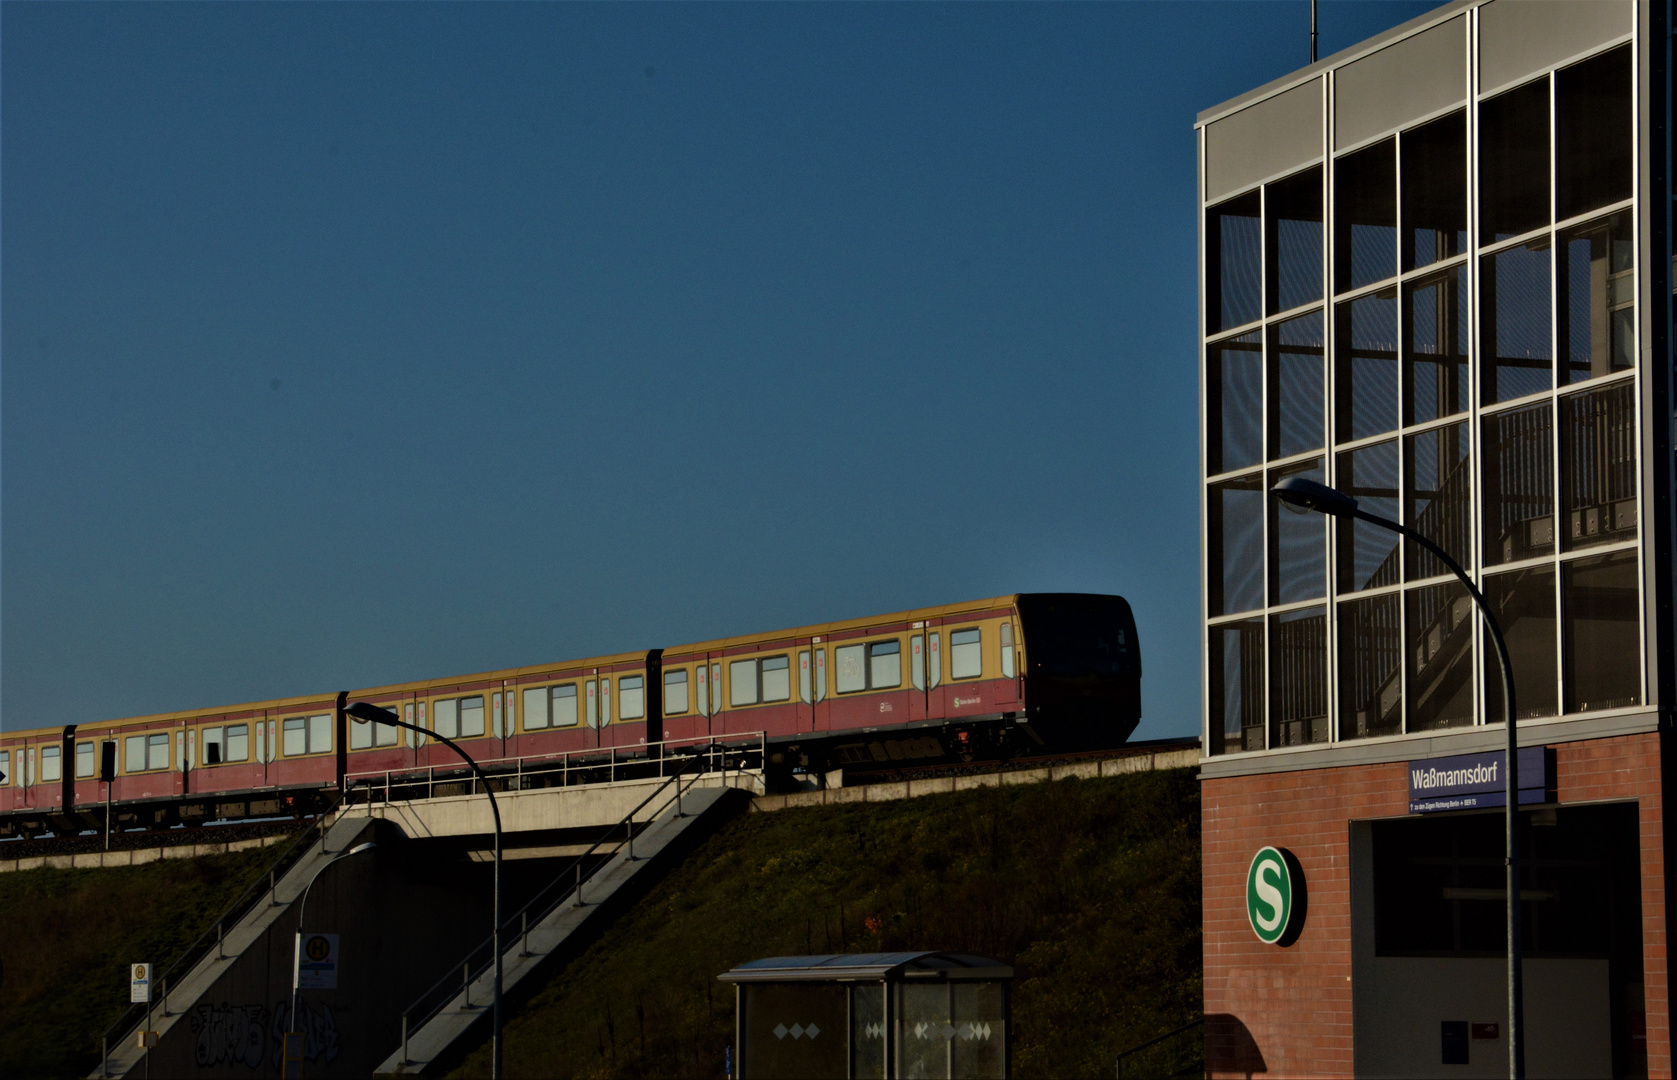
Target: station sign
<point>139,984</point>
<point>1275,896</point>
<point>317,961</point>
<point>1478,781</point>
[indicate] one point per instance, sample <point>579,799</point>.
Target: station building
<point>1436,274</point>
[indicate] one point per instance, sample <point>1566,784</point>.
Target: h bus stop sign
<point>317,961</point>
<point>139,984</point>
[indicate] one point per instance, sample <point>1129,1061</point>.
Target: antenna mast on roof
<point>1312,31</point>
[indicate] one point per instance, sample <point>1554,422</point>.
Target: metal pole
<point>1312,31</point>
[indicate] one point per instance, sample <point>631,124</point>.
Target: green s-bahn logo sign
<point>1275,896</point>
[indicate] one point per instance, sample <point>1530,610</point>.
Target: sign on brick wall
<point>1475,781</point>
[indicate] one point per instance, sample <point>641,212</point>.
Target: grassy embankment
<point>69,936</point>
<point>1091,888</point>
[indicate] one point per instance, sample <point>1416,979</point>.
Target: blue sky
<point>347,344</point>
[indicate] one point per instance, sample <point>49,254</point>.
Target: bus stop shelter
<point>872,1015</point>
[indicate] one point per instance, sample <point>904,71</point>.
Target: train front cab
<point>1083,676</point>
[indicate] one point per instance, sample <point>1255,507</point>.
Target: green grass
<point>1091,888</point>
<point>69,936</point>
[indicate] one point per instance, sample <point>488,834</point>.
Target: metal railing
<point>567,886</point>
<point>1175,1053</point>
<point>567,768</point>
<point>216,935</point>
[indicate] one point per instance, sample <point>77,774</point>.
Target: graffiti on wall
<point>319,1028</point>
<point>228,1034</point>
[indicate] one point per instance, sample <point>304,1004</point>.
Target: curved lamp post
<point>302,909</point>
<point>1304,495</point>
<point>366,712</point>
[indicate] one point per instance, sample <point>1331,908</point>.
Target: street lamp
<point>366,712</point>
<point>297,952</point>
<point>1305,494</point>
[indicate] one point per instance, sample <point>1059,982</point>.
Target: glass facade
<point>1439,318</point>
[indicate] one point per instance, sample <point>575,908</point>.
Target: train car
<point>983,679</point>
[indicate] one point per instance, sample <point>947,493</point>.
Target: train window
<point>1007,649</point>
<point>715,689</point>
<point>631,697</point>
<point>563,703</point>
<point>296,736</point>
<point>471,716</point>
<point>157,751</point>
<point>885,664</point>
<point>235,743</point>
<point>777,679</point>
<point>51,764</point>
<point>445,719</point>
<point>360,738</point>
<point>675,691</point>
<point>742,683</point>
<point>535,707</point>
<point>134,754</point>
<point>215,751</point>
<point>966,654</point>
<point>852,674</point>
<point>86,759</point>
<point>5,766</point>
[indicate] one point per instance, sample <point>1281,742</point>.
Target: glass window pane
<point>1298,539</point>
<point>924,1051</point>
<point>1519,485</point>
<point>852,674</point>
<point>980,1020</point>
<point>320,733</point>
<point>157,751</point>
<point>1237,686</point>
<point>1234,386</point>
<point>1514,162</point>
<point>296,737</point>
<point>1435,191</point>
<point>51,773</point>
<point>1365,216</point>
<point>1598,466</point>
<point>1440,655</point>
<point>631,697</point>
<point>742,682</point>
<point>1366,366</point>
<point>675,692</point>
<point>885,665</point>
<point>1235,536</point>
<point>1294,206</point>
<point>535,708</point>
<point>966,654</point>
<point>777,679</point>
<point>1298,679</point>
<point>867,1032</point>
<point>134,754</point>
<point>238,743</point>
<point>1233,261</point>
<point>214,750</point>
<point>471,716</point>
<point>445,718</point>
<point>1524,605</point>
<point>1593,133</point>
<point>1008,649</point>
<point>1516,313</point>
<point>360,735</point>
<point>1602,634</point>
<point>84,760</point>
<point>1370,675</point>
<point>1435,347</point>
<point>1296,385</point>
<point>1368,554</point>
<point>563,701</point>
<point>1440,503</point>
<point>1597,304</point>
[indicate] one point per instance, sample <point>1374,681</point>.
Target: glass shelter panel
<point>978,1048</point>
<point>1516,317</point>
<point>1298,680</point>
<point>1294,233</point>
<point>1296,385</point>
<point>1523,602</point>
<point>1439,633</point>
<point>1519,519</point>
<point>1234,387</point>
<point>1370,668</point>
<point>1435,346</point>
<point>1365,216</point>
<point>1593,156</point>
<point>1368,554</point>
<point>1234,263</point>
<point>1596,306</point>
<point>1514,162</point>
<point>1435,191</point>
<point>1366,366</point>
<point>795,1030</point>
<point>1601,633</point>
<point>867,1032</point>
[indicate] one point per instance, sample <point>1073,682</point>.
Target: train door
<point>708,690</point>
<point>812,659</point>
<point>1007,687</point>
<point>925,659</point>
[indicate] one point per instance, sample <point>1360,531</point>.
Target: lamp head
<point>359,848</point>
<point>366,712</point>
<point>1307,494</point>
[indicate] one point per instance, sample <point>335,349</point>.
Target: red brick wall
<point>1287,1012</point>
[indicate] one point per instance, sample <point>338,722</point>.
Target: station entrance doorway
<point>1429,957</point>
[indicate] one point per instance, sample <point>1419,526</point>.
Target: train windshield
<point>1080,636</point>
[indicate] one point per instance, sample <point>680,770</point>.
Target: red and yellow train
<point>983,679</point>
